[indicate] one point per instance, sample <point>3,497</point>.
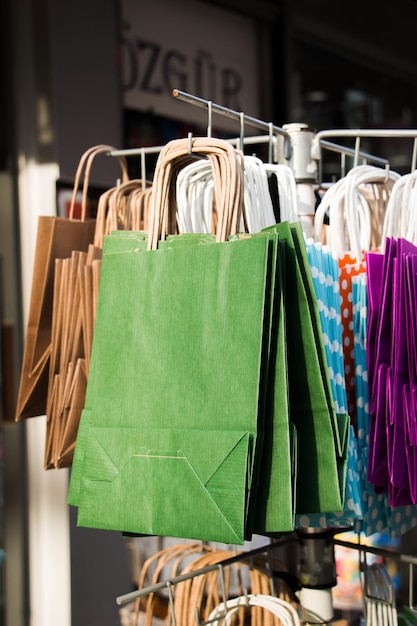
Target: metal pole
<point>359,132</point>
<point>226,112</point>
<point>128,597</point>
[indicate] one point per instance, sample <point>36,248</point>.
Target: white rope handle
<point>350,215</point>
<point>287,191</point>
<point>195,196</point>
<point>280,608</point>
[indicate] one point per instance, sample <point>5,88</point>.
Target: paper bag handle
<point>227,170</point>
<point>86,163</point>
<point>112,211</point>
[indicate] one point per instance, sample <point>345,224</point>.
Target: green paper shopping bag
<point>174,392</point>
<point>228,191</point>
<point>272,507</point>
<point>321,436</point>
<point>341,424</point>
<point>275,502</point>
<point>120,241</point>
<point>340,421</point>
<point>194,358</point>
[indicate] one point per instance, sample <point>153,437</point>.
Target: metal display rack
<point>311,585</point>
<point>298,147</point>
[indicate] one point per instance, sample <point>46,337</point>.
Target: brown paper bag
<point>71,417</point>
<point>75,301</point>
<point>65,339</point>
<point>80,315</point>
<point>74,313</point>
<point>56,238</point>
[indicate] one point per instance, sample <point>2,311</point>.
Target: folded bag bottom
<point>172,482</point>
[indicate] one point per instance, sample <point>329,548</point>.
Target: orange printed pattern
<point>349,267</point>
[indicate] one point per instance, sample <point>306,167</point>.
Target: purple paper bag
<point>378,440</point>
<point>399,361</point>
<point>411,316</point>
<point>411,449</point>
<point>374,269</point>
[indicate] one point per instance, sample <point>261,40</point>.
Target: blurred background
<point>86,72</point>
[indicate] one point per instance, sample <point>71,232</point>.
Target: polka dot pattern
<point>325,274</point>
<point>364,509</point>
<point>359,313</point>
<point>342,298</point>
<point>349,268</point>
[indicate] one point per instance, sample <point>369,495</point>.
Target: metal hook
<point>223,586</point>
<point>190,143</point>
<point>357,148</point>
<point>209,117</point>
<point>270,144</point>
<point>343,164</point>
<point>171,602</point>
<point>271,569</point>
<point>387,172</point>
<point>242,130</point>
<point>246,597</point>
<point>411,588</point>
<point>414,157</point>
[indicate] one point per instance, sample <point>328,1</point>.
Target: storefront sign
<point>191,46</point>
